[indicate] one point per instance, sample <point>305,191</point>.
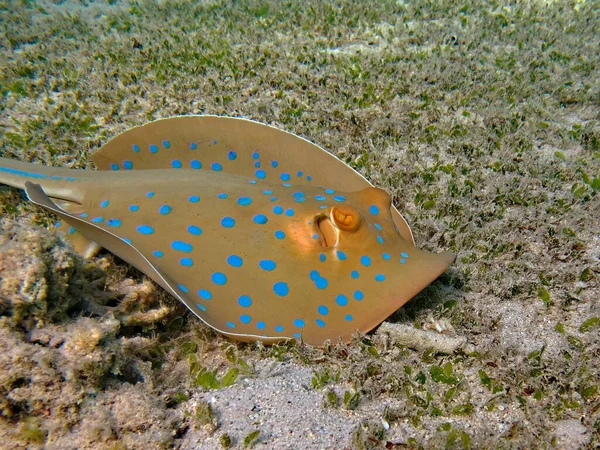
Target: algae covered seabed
<point>481,119</point>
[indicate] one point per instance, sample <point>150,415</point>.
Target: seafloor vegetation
<point>481,118</point>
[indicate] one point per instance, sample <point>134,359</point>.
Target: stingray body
<point>260,233</point>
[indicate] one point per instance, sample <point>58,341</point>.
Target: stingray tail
<point>17,173</point>
<point>57,182</point>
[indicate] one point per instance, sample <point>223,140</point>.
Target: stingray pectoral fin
<point>125,251</point>
<point>109,241</point>
<point>420,270</point>
<point>112,243</point>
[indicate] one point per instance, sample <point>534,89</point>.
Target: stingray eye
<point>346,217</point>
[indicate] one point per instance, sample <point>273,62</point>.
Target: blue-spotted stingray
<point>260,233</point>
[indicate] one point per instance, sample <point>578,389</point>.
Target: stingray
<point>262,234</point>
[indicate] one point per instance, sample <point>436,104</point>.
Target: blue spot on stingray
<point>244,201</point>
<point>260,219</point>
<point>319,322</point>
<point>320,198</point>
<point>158,253</point>
<point>193,146</point>
<point>320,282</point>
<point>261,325</point>
<point>298,194</point>
<point>194,199</point>
<point>104,204</point>
<point>188,262</point>
<point>323,310</point>
<point>136,148</point>
<point>341,300</point>
<point>281,288</point>
<point>322,257</point>
<point>322,206</point>
<point>358,295</point>
<point>402,261</point>
<point>126,240</point>
<point>341,255</point>
<point>127,165</point>
<point>55,177</point>
<point>195,164</point>
<point>354,274</point>
<point>98,219</point>
<point>329,191</point>
<point>348,317</point>
<point>72,230</point>
<point>153,148</point>
<point>300,200</point>
<point>255,155</point>
<point>232,155</point>
<point>315,236</point>
<point>252,181</point>
<point>267,264</point>
<point>380,239</point>
<point>114,166</point>
<point>274,163</point>
<point>166,144</point>
<point>285,176</point>
<point>201,306</point>
<point>113,223</point>
<point>299,173</point>
<point>70,178</point>
<point>205,294</point>
<point>278,210</point>
<point>219,278</point>
<point>386,256</point>
<point>273,199</point>
<point>133,208</point>
<point>235,261</point>
<point>223,195</point>
<point>339,198</point>
<point>378,226</point>
<point>244,301</point>
<point>83,215</point>
<point>379,277</point>
<point>365,261</point>
<point>150,194</point>
<point>183,288</point>
<point>257,165</point>
<point>404,255</point>
<point>289,212</point>
<point>279,328</point>
<point>286,185</point>
<point>216,167</point>
<point>268,192</point>
<point>299,323</point>
<point>374,210</point>
<point>308,177</point>
<point>279,234</point>
<point>193,229</point>
<point>181,246</point>
<point>230,324</point>
<point>214,142</point>
<point>165,209</point>
<point>245,318</point>
<point>297,335</point>
<point>260,174</point>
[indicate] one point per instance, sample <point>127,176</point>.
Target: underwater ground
<point>482,119</point>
